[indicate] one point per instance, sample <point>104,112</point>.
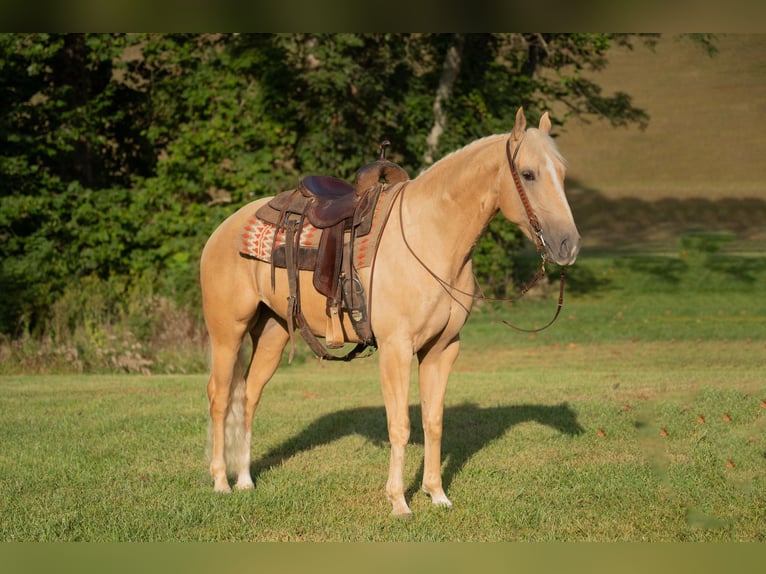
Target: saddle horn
<point>383,145</point>
<point>371,174</point>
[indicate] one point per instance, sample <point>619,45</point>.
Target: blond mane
<point>469,148</point>
<point>544,142</point>
<point>541,142</point>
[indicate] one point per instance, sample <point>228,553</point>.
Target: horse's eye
<point>528,175</point>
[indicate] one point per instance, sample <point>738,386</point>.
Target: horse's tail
<point>235,438</point>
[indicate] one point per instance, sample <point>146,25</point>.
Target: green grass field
<point>640,415</point>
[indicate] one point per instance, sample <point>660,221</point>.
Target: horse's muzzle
<point>567,250</point>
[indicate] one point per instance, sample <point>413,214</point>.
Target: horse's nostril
<point>568,249</point>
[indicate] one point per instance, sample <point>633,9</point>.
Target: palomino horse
<point>421,294</point>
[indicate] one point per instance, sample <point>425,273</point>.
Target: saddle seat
<point>325,186</point>
<point>334,199</point>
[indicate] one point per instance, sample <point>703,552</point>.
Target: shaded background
<point>699,163</point>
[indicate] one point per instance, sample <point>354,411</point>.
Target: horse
<point>421,289</point>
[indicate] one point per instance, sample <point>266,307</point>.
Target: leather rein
<point>539,240</point>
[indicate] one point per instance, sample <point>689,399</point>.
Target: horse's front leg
<point>435,366</point>
<point>395,362</point>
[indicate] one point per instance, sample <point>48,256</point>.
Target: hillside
<point>698,165</point>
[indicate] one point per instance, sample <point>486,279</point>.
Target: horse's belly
<point>312,303</point>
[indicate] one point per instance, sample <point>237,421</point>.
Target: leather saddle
<point>343,212</point>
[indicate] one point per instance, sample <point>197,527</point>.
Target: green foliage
<point>703,241</point>
<point>120,153</point>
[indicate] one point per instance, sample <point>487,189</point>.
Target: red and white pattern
<point>365,247</point>
<point>258,238</point>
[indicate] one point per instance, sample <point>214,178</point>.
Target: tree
<point>119,153</point>
<point>63,128</point>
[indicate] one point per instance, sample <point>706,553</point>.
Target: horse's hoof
<point>407,515</point>
<point>245,483</point>
<point>400,509</point>
<point>222,487</point>
<point>438,498</point>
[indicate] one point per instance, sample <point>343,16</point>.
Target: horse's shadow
<point>467,429</point>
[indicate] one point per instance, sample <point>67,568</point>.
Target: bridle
<point>539,240</point>
<point>533,221</point>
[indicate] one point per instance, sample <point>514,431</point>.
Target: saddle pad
<point>257,239</point>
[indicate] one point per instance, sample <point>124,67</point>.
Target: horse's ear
<point>545,123</point>
<point>521,125</point>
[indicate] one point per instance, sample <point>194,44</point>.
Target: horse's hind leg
<point>269,335</point>
<point>225,374</point>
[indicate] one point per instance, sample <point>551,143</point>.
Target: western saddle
<point>343,212</point>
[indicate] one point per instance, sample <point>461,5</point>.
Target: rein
<point>539,240</point>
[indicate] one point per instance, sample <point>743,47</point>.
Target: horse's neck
<point>451,203</point>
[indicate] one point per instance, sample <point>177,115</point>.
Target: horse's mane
<point>547,142</point>
<point>466,148</point>
<point>543,140</point>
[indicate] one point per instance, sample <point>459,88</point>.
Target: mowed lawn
<point>636,417</point>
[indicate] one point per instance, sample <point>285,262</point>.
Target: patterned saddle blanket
<point>263,238</point>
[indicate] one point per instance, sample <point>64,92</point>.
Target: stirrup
<point>334,331</point>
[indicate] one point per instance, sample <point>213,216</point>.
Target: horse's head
<point>540,172</point>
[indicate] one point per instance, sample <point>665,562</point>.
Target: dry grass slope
<point>698,165</point>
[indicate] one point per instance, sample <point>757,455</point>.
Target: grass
<point>638,416</point>
<point>571,451</point>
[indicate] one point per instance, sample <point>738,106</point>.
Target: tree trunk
<point>450,72</point>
